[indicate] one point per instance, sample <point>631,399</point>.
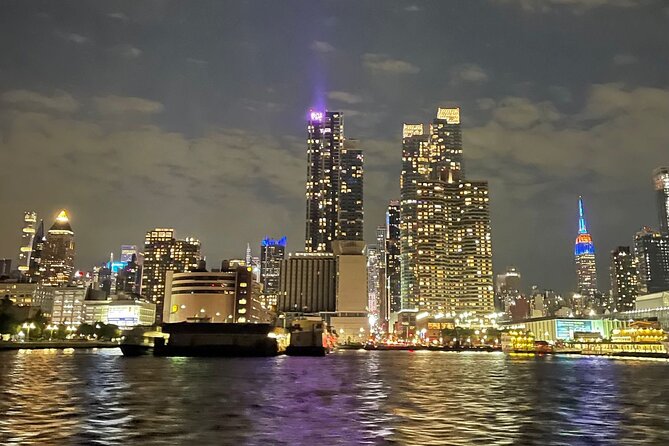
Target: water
<point>348,398</point>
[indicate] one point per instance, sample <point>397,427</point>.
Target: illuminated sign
<point>316,116</point>
<point>411,130</point>
<point>451,115</point>
<point>566,328</point>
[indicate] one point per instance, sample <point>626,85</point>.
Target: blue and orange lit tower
<point>584,255</point>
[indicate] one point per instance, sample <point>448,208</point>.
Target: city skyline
<point>540,139</point>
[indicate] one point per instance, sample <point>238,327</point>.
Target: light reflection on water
<point>100,397</point>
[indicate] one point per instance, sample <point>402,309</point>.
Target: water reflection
<point>376,398</point>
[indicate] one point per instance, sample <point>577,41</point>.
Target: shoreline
<point>60,345</point>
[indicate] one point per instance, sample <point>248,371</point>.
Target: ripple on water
<point>373,398</point>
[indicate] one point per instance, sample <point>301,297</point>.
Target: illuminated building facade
<point>34,272</point>
<point>57,266</point>
<point>651,250</point>
<point>27,241</point>
<point>163,253</point>
<point>392,259</point>
<point>226,296</point>
<point>334,206</point>
<point>383,304</point>
<point>584,255</point>
<point>127,252</point>
<point>272,252</point>
<point>308,283</point>
<point>374,280</point>
<point>507,288</point>
<point>661,183</point>
<point>68,304</point>
<point>624,279</point>
<point>445,249</point>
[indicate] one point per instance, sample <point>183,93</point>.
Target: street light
<point>28,326</point>
<point>51,328</point>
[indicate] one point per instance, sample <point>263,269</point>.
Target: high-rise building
<point>57,266</point>
<point>383,304</point>
<point>272,252</point>
<point>127,252</point>
<point>27,239</point>
<point>325,140</point>
<point>334,203</point>
<point>349,199</point>
<point>34,269</point>
<point>162,253</point>
<point>392,259</point>
<point>445,250</point>
<point>128,278</point>
<point>308,283</point>
<point>508,288</point>
<point>661,182</point>
<point>5,267</point>
<point>584,256</point>
<point>374,297</point>
<point>651,250</point>
<point>624,279</point>
<point>475,242</point>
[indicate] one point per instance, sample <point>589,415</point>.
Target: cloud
<point>321,47</point>
<point>485,103</point>
<point>223,179</point>
<point>521,113</point>
<point>128,51</point>
<point>468,73</point>
<point>343,96</point>
<point>25,99</point>
<point>381,62</point>
<point>576,6</point>
<point>624,59</point>
<point>110,105</point>
<point>118,16</point>
<point>73,37</point>
<point>413,8</point>
<point>200,62</point>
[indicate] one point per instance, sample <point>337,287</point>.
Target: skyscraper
<point>162,253</point>
<point>57,265</point>
<point>334,203</point>
<point>661,182</point>
<point>392,259</point>
<point>127,252</point>
<point>624,279</point>
<point>373,281</point>
<point>34,269</point>
<point>349,200</point>
<point>584,255</point>
<point>445,250</point>
<point>651,250</point>
<point>383,304</point>
<point>272,252</point>
<point>508,288</point>
<point>27,239</point>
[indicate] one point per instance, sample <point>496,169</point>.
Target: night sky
<point>133,115</point>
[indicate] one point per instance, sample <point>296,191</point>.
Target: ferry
<point>208,339</point>
<point>309,337</point>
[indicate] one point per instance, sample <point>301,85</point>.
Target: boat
<point>206,339</point>
<point>309,337</point>
<point>140,341</point>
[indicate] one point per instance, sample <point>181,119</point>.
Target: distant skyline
<point>133,115</point>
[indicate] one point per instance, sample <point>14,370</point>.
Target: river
<point>347,398</point>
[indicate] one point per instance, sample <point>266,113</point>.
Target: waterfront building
<point>624,279</point>
<point>163,253</point>
<point>651,251</point>
<point>230,295</point>
<point>567,329</point>
<point>584,255</point>
<point>57,265</point>
<point>661,183</point>
<point>392,260</point>
<point>334,187</point>
<point>308,283</point>
<point>445,250</point>
<point>67,303</point>
<point>508,288</point>
<point>272,252</point>
<point>22,294</point>
<point>27,239</point>
<point>123,310</point>
<point>350,319</point>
